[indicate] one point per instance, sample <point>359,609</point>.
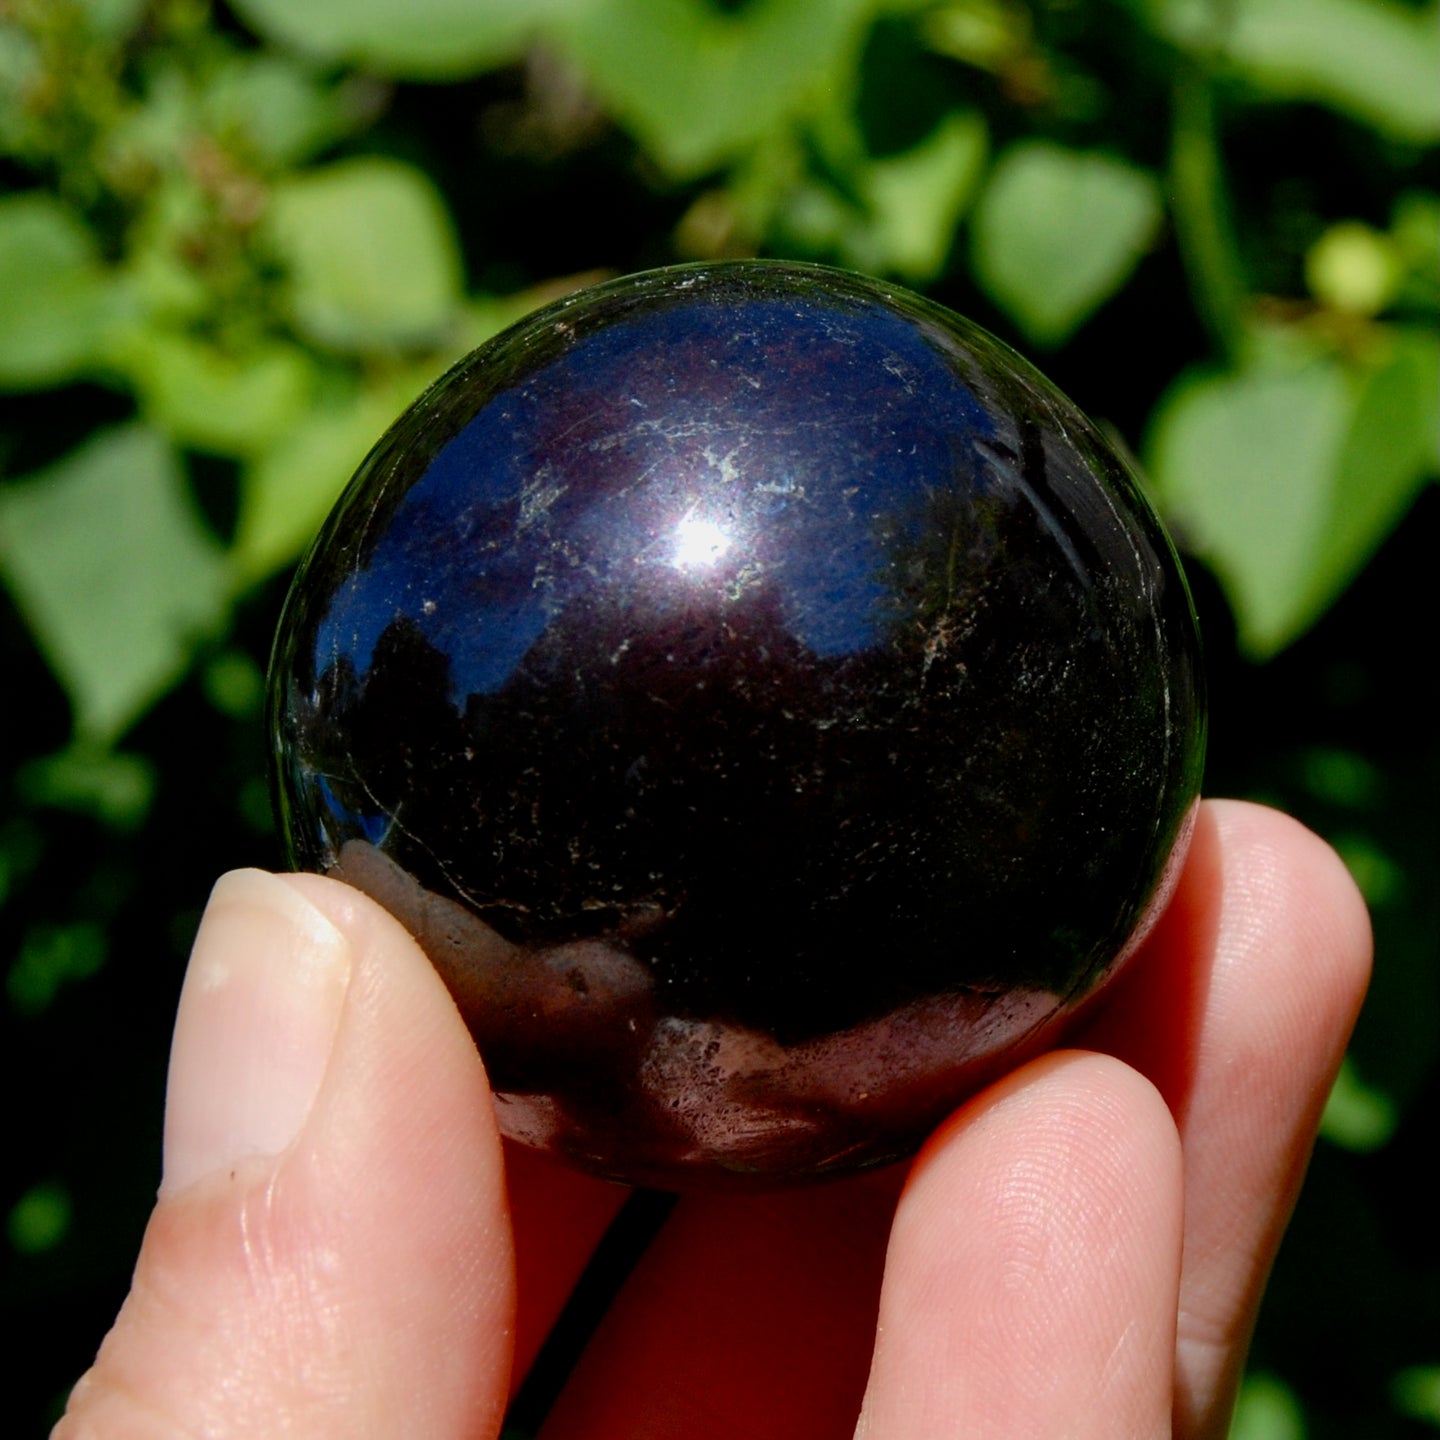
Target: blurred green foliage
<point>235,242</point>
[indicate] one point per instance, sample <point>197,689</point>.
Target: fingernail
<point>258,1015</point>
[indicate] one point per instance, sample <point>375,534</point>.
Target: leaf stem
<point>1202,214</point>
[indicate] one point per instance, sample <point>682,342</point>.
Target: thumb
<point>330,1254</point>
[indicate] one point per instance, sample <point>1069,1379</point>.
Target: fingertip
<point>1266,947</point>
<point>258,1014</point>
<point>1088,1083</point>
<point>1034,1263</point>
<point>1294,877</point>
<point>1087,1120</point>
<point>1279,974</point>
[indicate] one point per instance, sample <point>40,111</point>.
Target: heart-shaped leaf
<point>114,571</point>
<point>1057,232</point>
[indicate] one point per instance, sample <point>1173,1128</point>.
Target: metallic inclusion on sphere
<point>771,705</point>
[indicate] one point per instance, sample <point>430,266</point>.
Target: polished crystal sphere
<point>770,704</point>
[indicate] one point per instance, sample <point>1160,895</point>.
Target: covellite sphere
<point>772,706</point>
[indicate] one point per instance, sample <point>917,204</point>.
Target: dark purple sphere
<point>772,706</point>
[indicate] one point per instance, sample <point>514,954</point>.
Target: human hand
<point>339,1248</point>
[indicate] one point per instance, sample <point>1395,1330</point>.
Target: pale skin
<point>343,1247</point>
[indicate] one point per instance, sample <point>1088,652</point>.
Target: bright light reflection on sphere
<point>698,542</point>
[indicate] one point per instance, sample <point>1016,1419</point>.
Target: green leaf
<point>1380,879</point>
<point>114,787</point>
<point>1415,231</point>
<point>50,957</point>
<point>208,400</point>
<point>1357,1116</point>
<point>272,108</point>
<point>287,492</point>
<point>421,39</point>
<point>40,1219</point>
<point>166,289</point>
<point>21,847</point>
<point>1244,464</point>
<point>1286,474</point>
<point>114,572</point>
<point>372,255</point>
<point>114,19</point>
<point>234,685</point>
<point>21,67</point>
<point>916,201</point>
<point>56,303</point>
<point>1340,777</point>
<point>1375,60</point>
<point>989,34</point>
<point>696,86</point>
<point>1266,1409</point>
<point>1415,1393</point>
<point>1388,452</point>
<point>897,215</point>
<point>1057,232</point>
